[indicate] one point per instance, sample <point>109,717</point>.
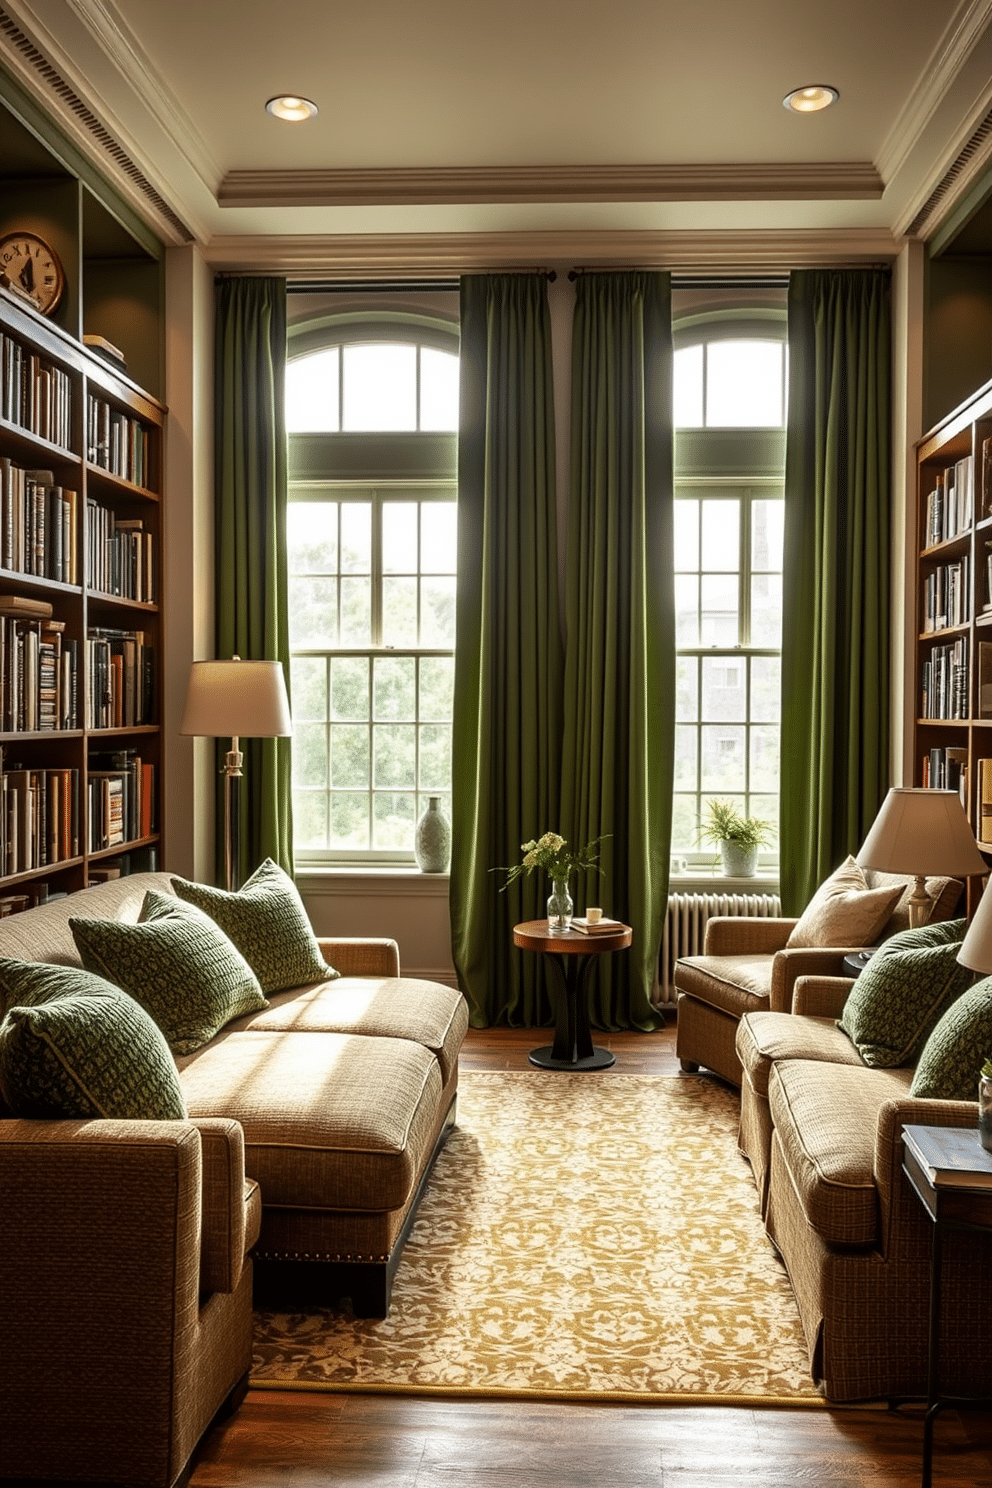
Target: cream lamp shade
<point>245,699</point>
<point>924,833</point>
<point>976,949</point>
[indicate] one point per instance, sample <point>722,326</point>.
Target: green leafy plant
<point>726,824</point>
<point>986,1070</point>
<point>553,854</point>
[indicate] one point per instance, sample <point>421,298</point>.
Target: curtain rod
<point>389,286</point>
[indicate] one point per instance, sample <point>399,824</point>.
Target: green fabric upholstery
<point>72,1044</point>
<point>267,922</point>
<point>903,992</point>
<point>178,964</point>
<point>955,1051</point>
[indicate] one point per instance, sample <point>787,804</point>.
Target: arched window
<point>730,406</point>
<point>372,410</point>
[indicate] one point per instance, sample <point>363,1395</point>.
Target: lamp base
<point>920,904</point>
<point>232,817</point>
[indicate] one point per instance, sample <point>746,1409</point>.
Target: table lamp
<point>243,699</point>
<point>925,833</point>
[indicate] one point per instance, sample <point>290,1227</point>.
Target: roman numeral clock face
<point>33,268</point>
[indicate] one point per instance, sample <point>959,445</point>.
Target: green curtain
<point>619,704</point>
<point>508,665</point>
<point>835,623</point>
<point>250,539</point>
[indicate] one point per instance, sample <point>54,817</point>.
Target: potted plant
<point>738,838</point>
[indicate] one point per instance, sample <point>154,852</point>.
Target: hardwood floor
<point>300,1440</point>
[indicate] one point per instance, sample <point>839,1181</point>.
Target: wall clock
<point>33,267</point>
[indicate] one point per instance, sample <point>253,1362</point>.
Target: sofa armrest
<point>821,996</point>
<point>789,965</point>
<point>222,1228</point>
<point>354,957</point>
<point>745,935</point>
<point>893,1115</point>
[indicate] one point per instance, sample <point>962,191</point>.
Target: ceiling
<point>638,122</point>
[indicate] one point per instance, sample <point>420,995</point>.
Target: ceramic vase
<point>432,838</point>
<point>560,907</point>
<point>738,861</point>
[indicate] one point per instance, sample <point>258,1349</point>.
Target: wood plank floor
<point>299,1440</point>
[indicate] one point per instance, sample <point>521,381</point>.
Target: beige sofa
<point>823,1133</point>
<point>125,1278</point>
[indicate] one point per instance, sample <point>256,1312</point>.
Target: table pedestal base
<point>573,1047</point>
<point>545,1059</point>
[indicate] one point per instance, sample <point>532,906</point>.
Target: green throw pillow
<point>268,924</point>
<point>73,1044</point>
<point>181,968</point>
<point>957,1048</point>
<point>902,993</point>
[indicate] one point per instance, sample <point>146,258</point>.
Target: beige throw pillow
<point>844,911</point>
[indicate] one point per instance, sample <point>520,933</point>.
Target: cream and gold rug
<point>581,1237</point>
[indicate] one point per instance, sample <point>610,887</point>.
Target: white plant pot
<point>738,862</point>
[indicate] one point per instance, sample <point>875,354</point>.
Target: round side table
<point>571,953</point>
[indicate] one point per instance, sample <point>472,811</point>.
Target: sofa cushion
<point>735,984</point>
<point>844,911</point>
<point>178,964</point>
<point>267,922</point>
<point>72,1044</point>
<point>954,1053</point>
<point>903,991</point>
<point>825,1118</point>
<point>330,1121</point>
<point>764,1037</point>
<point>385,1007</point>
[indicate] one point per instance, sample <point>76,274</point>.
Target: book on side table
<point>598,927</point>
<point>950,1156</point>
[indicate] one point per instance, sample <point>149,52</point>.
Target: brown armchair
<point>746,967</point>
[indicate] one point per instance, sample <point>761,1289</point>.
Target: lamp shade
<point>922,832</point>
<point>240,699</point>
<point>976,948</point>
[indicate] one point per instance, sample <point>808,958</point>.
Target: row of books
<point>38,671</point>
<point>945,681</point>
<point>946,596</point>
<point>34,394</point>
<point>120,675</point>
<point>116,441</point>
<point>947,769</point>
<point>120,555</point>
<point>37,524</point>
<point>39,818</point>
<point>950,506</point>
<point>121,799</point>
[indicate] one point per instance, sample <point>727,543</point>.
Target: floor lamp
<point>246,700</point>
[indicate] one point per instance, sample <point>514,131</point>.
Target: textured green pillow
<point>902,993</point>
<point>268,924</point>
<point>181,968</point>
<point>957,1048</point>
<point>73,1044</point>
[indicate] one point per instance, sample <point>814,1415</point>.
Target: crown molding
<point>409,255</point>
<point>818,181</point>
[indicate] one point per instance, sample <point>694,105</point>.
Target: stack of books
<point>598,927</point>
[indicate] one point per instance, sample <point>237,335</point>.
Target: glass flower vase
<point>560,906</point>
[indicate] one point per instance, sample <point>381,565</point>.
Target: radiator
<point>685,924</point>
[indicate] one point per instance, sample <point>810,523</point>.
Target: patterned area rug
<point>581,1237</point>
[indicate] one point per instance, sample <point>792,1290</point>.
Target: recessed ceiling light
<point>295,110</point>
<point>811,99</point>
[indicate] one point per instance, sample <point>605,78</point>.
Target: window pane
<point>766,610</point>
<point>686,535</point>
<point>438,390</point>
<point>380,387</point>
<point>309,818</point>
<point>435,757</point>
<point>724,691</point>
<point>308,681</point>
<point>438,537</point>
<point>349,820</point>
<point>399,612</point>
<point>437,675</point>
<point>687,387</point>
<point>437,612</point>
<point>349,755</point>
<point>686,610</point>
<point>309,754</point>
<point>393,820</point>
<point>685,758</point>
<point>399,537</point>
<point>724,757</point>
<point>686,689</point>
<point>349,688</point>
<point>721,536</point>
<point>764,758</point>
<point>312,393</point>
<point>313,613</point>
<point>767,523</point>
<point>744,384</point>
<point>684,824</point>
<point>766,689</point>
<point>356,612</point>
<point>312,537</point>
<point>356,537</point>
<point>395,751</point>
<point>766,807</point>
<point>719,624</point>
<point>394,689</point>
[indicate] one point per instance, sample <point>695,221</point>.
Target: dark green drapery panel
<point>250,536</point>
<point>835,651</point>
<point>620,623</point>
<point>508,665</point>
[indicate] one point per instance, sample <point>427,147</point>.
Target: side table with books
<point>951,1174</point>
<point>571,953</point>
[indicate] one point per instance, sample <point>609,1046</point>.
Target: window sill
<point>375,879</point>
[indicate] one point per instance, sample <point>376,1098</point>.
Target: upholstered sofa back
<point>43,934</point>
